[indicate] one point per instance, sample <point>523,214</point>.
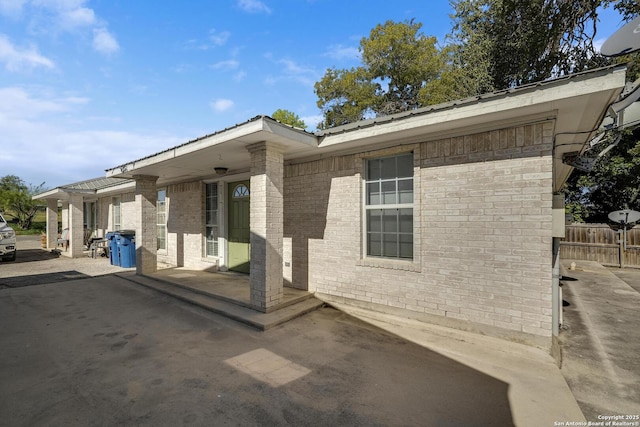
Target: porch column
<point>266,223</point>
<point>76,226</point>
<point>52,223</point>
<point>146,223</point>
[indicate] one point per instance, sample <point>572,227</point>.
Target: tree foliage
<point>289,118</point>
<point>16,198</point>
<point>522,41</point>
<point>398,63</point>
<point>493,45</point>
<point>613,184</point>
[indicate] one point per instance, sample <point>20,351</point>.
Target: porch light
<point>220,171</point>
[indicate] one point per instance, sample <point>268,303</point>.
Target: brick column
<point>52,223</point>
<point>76,226</point>
<point>146,223</point>
<point>266,222</point>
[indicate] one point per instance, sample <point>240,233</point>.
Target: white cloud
<point>51,17</point>
<point>341,52</point>
<point>16,59</point>
<point>293,71</point>
<point>219,38</point>
<point>230,64</point>
<point>17,103</point>
<point>11,8</point>
<point>312,121</point>
<point>74,18</point>
<point>39,132</point>
<point>215,39</point>
<point>239,76</point>
<point>221,105</point>
<point>253,6</point>
<point>104,42</point>
<point>182,68</point>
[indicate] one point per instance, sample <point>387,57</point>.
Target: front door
<point>239,248</point>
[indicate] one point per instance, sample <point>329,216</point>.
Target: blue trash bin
<point>127,248</point>
<point>114,255</point>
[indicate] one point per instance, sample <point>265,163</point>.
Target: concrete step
<point>236,311</point>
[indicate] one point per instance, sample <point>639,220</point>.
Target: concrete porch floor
<point>225,293</point>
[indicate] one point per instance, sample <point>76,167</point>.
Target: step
<point>224,307</point>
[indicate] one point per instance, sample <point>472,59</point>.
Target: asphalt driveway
<point>101,351</point>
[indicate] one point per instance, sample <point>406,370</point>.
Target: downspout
<point>558,221</point>
<point>556,296</point>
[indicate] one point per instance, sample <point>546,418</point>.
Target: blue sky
<point>87,85</point>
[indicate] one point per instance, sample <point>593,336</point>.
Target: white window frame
<point>389,207</point>
<point>161,223</point>
<point>116,213</point>
<point>215,225</point>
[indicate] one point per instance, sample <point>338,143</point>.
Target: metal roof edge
<point>217,133</point>
<point>350,127</point>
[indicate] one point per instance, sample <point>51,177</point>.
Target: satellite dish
<point>623,41</point>
<point>624,216</point>
<point>627,100</point>
<point>582,163</point>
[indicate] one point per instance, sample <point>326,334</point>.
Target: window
<point>161,209</point>
<point>116,219</point>
<point>211,219</point>
<point>389,207</point>
<point>240,191</point>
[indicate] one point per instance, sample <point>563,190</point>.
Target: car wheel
<point>12,257</point>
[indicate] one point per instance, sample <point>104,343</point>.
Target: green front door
<point>239,248</point>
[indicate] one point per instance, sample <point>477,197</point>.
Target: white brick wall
<point>483,220</point>
<point>185,227</point>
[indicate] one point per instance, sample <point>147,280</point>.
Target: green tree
<point>613,183</point>
<point>398,63</point>
<point>513,42</point>
<point>16,198</point>
<point>289,118</point>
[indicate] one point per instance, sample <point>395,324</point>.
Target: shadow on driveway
<point>33,255</point>
<point>40,279</point>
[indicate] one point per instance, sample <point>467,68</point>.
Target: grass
<point>38,226</point>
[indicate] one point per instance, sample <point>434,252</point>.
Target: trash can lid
<point>126,232</point>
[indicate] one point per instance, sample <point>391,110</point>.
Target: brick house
<point>443,214</point>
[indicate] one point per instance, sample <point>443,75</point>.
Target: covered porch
<point>250,155</point>
<point>72,214</point>
<point>225,293</point>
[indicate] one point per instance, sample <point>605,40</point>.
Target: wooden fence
<point>600,243</point>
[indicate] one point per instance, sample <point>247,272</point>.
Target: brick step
<point>235,310</point>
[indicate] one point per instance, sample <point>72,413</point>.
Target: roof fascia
<point>554,94</point>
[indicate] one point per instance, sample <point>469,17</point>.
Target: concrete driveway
<point>102,351</point>
<point>601,339</point>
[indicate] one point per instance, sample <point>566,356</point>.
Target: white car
<point>7,241</point>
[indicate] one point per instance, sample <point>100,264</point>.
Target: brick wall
<point>482,227</point>
<point>185,227</point>
<point>128,211</point>
<point>185,224</point>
